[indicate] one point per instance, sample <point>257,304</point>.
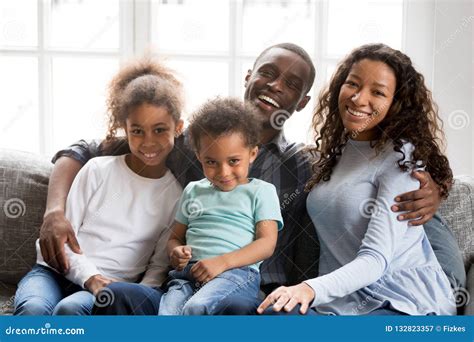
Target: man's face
<point>278,82</point>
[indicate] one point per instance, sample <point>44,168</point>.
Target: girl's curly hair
<point>412,117</point>
<point>143,80</point>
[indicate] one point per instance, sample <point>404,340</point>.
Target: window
<point>57,56</point>
<point>214,42</point>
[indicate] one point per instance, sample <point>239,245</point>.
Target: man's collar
<point>280,142</point>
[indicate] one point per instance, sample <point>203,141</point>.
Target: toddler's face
<point>226,160</point>
<point>150,132</point>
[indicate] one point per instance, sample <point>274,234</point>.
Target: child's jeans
<point>44,292</point>
<point>185,296</point>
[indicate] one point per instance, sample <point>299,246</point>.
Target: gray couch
<point>23,189</point>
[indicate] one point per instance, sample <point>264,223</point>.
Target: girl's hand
<point>180,257</point>
<point>96,283</point>
<point>288,297</point>
<point>420,205</point>
<point>207,269</point>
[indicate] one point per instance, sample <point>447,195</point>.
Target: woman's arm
<point>260,249</point>
<point>383,235</point>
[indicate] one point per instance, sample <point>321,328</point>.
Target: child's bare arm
<point>260,249</point>
<point>178,252</point>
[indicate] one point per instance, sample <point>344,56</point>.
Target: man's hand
<point>55,231</point>
<point>287,298</point>
<point>207,269</point>
<point>96,283</point>
<point>420,205</point>
<point>180,257</point>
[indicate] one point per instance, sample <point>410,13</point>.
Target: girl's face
<point>365,98</point>
<point>150,133</point>
<point>226,160</point>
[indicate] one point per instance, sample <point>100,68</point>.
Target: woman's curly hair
<point>143,80</point>
<point>412,117</point>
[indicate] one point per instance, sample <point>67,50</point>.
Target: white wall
<point>439,39</point>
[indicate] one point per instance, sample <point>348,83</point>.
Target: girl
<point>120,207</point>
<point>377,122</point>
<point>226,224</point>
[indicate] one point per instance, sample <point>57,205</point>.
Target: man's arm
<point>56,230</point>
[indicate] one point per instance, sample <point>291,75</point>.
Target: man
<point>277,85</point>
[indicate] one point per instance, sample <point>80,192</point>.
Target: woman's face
<point>365,98</point>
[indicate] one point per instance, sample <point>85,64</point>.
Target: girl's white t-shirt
<point>122,222</point>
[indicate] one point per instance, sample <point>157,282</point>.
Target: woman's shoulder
<point>395,155</point>
<point>398,152</point>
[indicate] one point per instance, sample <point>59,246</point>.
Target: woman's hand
<point>96,283</point>
<point>207,269</point>
<point>180,256</point>
<point>288,297</point>
<point>420,205</point>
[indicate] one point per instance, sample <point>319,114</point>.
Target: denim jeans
<point>185,296</point>
<point>130,299</point>
<point>382,311</point>
<point>44,292</point>
<point>446,249</point>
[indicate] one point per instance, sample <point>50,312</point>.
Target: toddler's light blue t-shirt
<point>220,222</point>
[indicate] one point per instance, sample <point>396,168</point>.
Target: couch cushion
<point>23,189</point>
<point>7,297</point>
<point>458,211</point>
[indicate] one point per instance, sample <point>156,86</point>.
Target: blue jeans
<point>187,297</point>
<point>446,249</point>
<point>44,292</point>
<point>130,299</point>
<point>382,311</point>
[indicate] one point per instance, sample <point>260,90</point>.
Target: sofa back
<point>458,211</point>
<point>23,189</point>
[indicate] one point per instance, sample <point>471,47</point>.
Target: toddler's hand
<point>180,257</point>
<point>207,269</point>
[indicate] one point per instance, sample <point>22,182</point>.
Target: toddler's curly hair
<point>221,116</point>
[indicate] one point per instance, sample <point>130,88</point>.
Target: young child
<point>120,207</point>
<point>226,224</point>
<point>377,122</point>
